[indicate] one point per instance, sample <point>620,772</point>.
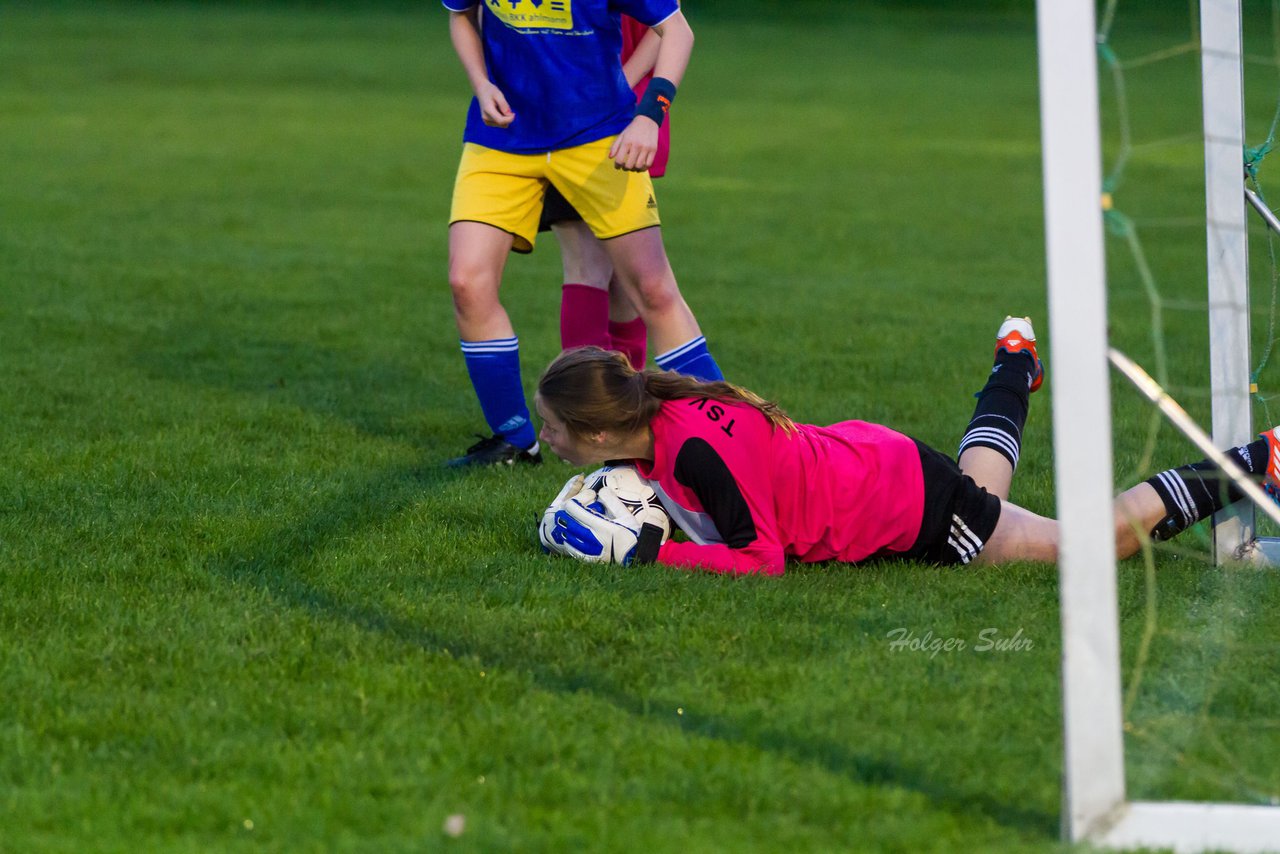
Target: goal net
<point>1148,190</point>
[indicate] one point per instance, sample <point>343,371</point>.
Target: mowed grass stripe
<point>243,605</point>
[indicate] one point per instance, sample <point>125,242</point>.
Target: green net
<point>1201,704</point>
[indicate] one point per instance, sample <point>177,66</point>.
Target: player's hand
<point>494,109</point>
<point>599,528</point>
<point>546,528</point>
<point>637,520</point>
<point>635,147</point>
<point>586,532</point>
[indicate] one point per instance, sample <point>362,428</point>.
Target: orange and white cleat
<point>1017,336</point>
<point>1272,483</point>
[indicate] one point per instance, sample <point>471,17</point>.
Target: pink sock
<point>629,338</point>
<point>584,316</point>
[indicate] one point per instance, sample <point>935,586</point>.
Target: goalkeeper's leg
<point>1157,509</point>
<point>1178,498</point>
<point>993,440</point>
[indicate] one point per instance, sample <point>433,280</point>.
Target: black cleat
<point>495,451</point>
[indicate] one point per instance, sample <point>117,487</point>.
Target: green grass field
<point>243,606</point>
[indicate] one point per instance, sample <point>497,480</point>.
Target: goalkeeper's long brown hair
<point>591,389</point>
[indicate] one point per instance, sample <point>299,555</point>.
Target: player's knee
<point>472,291</point>
<point>1128,540</point>
<point>587,271</point>
<point>1135,524</point>
<point>657,295</point>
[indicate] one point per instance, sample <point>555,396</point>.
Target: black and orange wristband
<point>657,99</point>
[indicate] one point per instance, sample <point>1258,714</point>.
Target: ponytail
<point>591,390</point>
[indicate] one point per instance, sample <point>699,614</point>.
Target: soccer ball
<point>635,493</point>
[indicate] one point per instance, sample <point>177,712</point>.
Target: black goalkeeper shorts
<point>556,208</point>
<point>959,515</point>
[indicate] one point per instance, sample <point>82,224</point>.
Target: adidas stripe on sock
<point>1001,411</point>
<point>692,359</point>
<point>1196,491</point>
<point>494,368</point>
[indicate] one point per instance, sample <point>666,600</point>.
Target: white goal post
<point>1095,807</point>
<point>1222,87</point>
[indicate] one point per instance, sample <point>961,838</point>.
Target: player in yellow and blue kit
<point>552,107</point>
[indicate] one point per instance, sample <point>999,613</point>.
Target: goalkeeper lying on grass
<point>751,488</point>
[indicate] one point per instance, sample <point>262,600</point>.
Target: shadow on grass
<point>373,398</point>
<point>270,567</point>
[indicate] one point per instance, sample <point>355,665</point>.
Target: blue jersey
<point>556,62</point>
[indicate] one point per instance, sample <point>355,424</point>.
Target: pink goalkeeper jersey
<point>749,496</point>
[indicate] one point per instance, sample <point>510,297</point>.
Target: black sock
<point>1196,491</point>
<point>1001,412</point>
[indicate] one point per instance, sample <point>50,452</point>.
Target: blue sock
<point>691,359</point>
<point>494,367</point>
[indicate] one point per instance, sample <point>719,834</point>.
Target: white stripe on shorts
<point>964,541</point>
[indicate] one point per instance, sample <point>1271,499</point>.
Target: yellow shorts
<point>505,190</point>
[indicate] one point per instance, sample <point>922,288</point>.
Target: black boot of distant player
<point>494,368</point>
<point>496,451</point>
<point>1002,407</point>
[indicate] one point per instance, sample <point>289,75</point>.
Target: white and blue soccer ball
<point>635,493</point>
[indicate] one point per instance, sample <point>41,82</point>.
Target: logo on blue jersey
<point>533,14</point>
